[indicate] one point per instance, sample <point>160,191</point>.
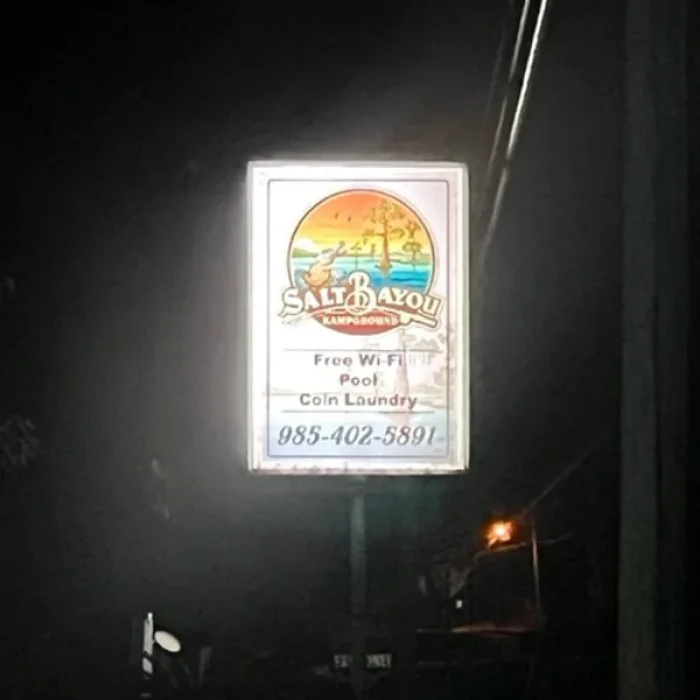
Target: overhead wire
<point>457,538</point>
<point>499,165</point>
<point>497,67</point>
<point>514,62</point>
<point>564,474</point>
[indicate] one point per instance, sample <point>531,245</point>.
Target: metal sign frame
<point>358,318</point>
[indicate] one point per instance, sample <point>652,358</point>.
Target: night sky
<point>126,137</point>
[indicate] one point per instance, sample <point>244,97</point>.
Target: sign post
<point>358,318</point>
<point>358,592</point>
<point>358,315</point>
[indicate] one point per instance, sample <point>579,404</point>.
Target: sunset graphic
<point>367,230</point>
<point>347,216</point>
<point>364,231</point>
<point>358,219</point>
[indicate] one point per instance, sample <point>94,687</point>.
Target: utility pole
<point>654,421</point>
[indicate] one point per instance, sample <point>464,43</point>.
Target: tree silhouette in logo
<point>387,222</point>
<point>355,252</point>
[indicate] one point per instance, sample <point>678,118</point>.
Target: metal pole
<point>655,320</point>
<point>358,582</point>
<point>536,568</point>
<point>146,657</point>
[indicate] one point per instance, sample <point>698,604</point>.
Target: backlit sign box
<point>358,315</point>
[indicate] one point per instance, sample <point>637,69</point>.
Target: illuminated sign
<point>358,302</point>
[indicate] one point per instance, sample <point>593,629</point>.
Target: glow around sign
<point>358,359</point>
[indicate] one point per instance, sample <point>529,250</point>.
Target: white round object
<point>168,642</point>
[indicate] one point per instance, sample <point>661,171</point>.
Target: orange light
<point>500,532</point>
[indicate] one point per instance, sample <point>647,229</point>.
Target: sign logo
<point>362,262</point>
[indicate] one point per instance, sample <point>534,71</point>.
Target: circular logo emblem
<point>362,262</point>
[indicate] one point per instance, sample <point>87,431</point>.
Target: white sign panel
<point>358,314</point>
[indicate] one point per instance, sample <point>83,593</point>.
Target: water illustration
<point>401,273</point>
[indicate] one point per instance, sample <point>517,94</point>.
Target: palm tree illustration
<point>412,246</point>
<point>447,345</point>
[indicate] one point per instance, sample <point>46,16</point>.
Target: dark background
<point>123,157</point>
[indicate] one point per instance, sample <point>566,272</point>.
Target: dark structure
<point>655,354</point>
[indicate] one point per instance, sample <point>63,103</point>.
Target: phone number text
<point>358,435</point>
